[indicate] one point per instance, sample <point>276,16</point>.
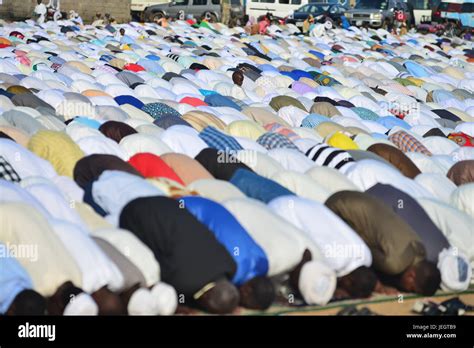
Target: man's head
<point>28,302</point>
<point>257,293</point>
<point>222,298</point>
<point>423,278</point>
<point>238,77</point>
<point>360,283</point>
<point>39,1</point>
<point>109,303</point>
<point>122,31</point>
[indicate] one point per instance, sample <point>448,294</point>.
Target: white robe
<point>134,249</point>
<point>113,190</point>
<point>367,173</point>
<point>49,264</point>
<point>342,248</point>
<point>456,225</point>
<point>97,269</point>
<point>283,244</point>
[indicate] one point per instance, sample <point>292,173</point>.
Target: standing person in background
<point>98,20</point>
<point>107,19</point>
<point>226,11</point>
<point>74,16</point>
<point>307,24</point>
<point>388,24</point>
<point>40,12</point>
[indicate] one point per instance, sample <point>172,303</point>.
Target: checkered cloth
<point>408,143</point>
<point>7,172</point>
<point>275,141</point>
<point>218,140</point>
<point>328,156</point>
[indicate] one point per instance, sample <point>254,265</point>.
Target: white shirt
<point>40,9</point>
<point>342,248</point>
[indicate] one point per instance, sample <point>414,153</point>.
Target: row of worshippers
<point>230,237</point>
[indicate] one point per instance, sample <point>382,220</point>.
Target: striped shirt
<point>325,155</point>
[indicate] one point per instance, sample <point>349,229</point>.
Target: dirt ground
<point>388,306</point>
<point>380,304</point>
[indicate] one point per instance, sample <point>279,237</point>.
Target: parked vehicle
<point>281,8</point>
<point>422,10</point>
<point>374,12</point>
<point>459,11</point>
<point>138,7</point>
<point>197,8</point>
<point>318,11</point>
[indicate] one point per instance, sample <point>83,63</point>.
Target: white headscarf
<point>82,304</point>
<point>317,283</point>
<point>456,272</point>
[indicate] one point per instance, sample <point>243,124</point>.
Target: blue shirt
<point>13,279</point>
<point>250,258</point>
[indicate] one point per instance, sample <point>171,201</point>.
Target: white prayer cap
<point>317,283</point>
<point>166,298</point>
<point>82,304</point>
<point>142,302</point>
<point>455,270</point>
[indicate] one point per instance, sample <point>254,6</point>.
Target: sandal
<point>456,307</point>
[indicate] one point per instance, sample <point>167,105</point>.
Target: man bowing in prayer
<point>398,253</point>
<point>190,257</point>
<point>256,290</point>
